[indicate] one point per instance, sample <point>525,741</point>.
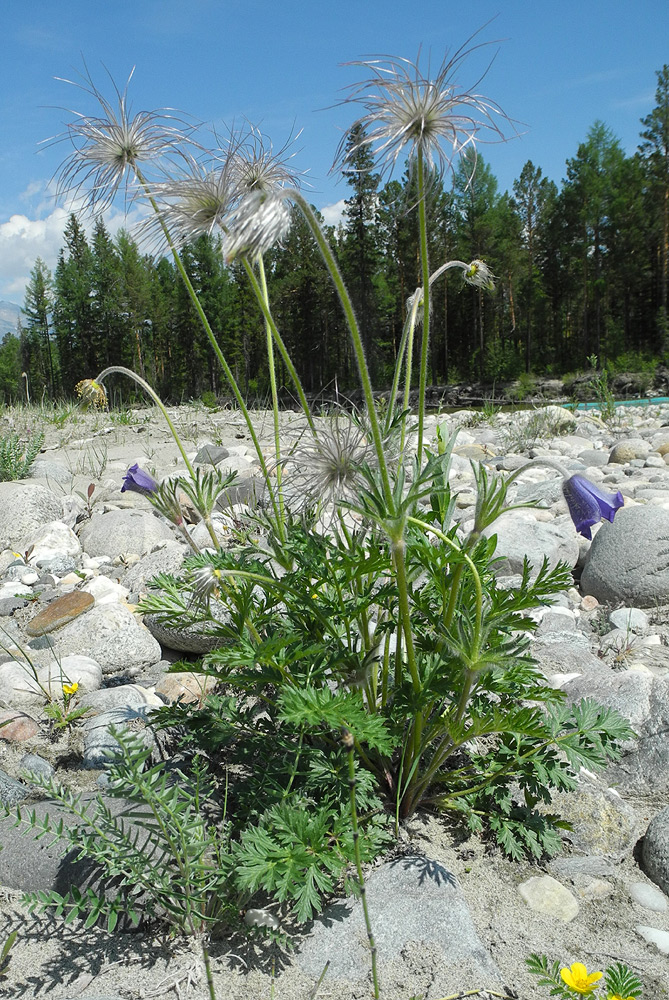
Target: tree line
<point>580,270</point>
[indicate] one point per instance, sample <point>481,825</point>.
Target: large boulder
<point>643,699</point>
<point>520,535</point>
<point>628,561</point>
<point>121,531</point>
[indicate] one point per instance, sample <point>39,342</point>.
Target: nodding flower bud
<point>91,394</point>
<point>479,275</point>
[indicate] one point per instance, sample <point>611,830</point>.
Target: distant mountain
<point>9,314</point>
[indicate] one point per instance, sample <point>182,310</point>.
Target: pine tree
<point>359,251</point>
<point>655,149</point>
<point>533,195</point>
<point>38,349</point>
<point>73,318</point>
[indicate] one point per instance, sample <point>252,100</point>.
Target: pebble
<point>17,726</point>
<point>546,895</point>
<point>654,936</point>
<point>631,619</point>
<point>648,896</point>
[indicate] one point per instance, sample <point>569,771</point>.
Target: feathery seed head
<point>109,147</point>
<point>195,203</point>
<point>407,112</point>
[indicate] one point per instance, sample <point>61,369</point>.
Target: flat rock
<point>413,899</point>
<point>544,894</point>
<point>602,821</point>
<point>643,699</point>
<point>61,611</point>
<point>211,454</point>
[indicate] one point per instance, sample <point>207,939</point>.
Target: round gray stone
<point>629,559</point>
<point>23,508</point>
<point>113,636</point>
<point>120,531</point>
<point>521,536</point>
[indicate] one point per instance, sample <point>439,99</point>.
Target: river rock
<point>628,450</point>
<point>628,560</point>
<point>120,531</point>
<point>113,636</point>
<point>23,509</point>
<point>410,900</point>
<point>521,536</point>
<point>655,849</point>
<point>643,699</point>
<point>59,612</point>
<point>54,540</point>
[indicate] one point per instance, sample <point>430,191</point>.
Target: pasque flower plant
<point>381,619</point>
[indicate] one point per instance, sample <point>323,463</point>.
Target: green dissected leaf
<point>321,706</point>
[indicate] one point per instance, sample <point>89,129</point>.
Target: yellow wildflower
<point>576,977</point>
<point>70,689</point>
<point>617,996</point>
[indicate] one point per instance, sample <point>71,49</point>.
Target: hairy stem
<point>358,349</point>
<point>425,265</point>
<point>349,744</point>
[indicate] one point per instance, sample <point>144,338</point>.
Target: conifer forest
<point>580,270</point>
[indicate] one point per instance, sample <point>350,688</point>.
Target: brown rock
<point>589,603</point>
<point>185,687</point>
<point>16,726</point>
<point>61,611</point>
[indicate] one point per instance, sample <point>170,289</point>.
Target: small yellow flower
<point>91,393</point>
<point>577,979</point>
<point>70,689</point>
<point>617,996</point>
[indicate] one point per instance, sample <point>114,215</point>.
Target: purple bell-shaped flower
<point>138,481</point>
<point>588,504</point>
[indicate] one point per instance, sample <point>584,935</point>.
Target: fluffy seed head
<point>408,111</point>
<point>109,147</point>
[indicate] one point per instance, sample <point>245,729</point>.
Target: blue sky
<point>559,67</point>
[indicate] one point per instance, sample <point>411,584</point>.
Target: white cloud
<point>23,240</point>
<point>333,214</point>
